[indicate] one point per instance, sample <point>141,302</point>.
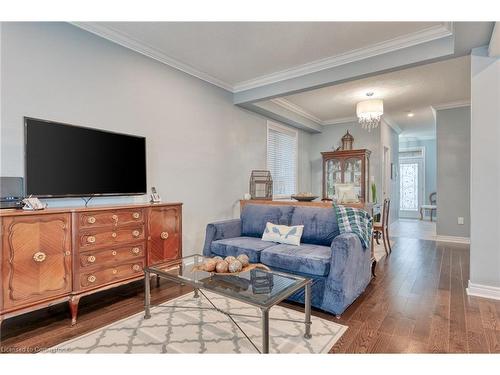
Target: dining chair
<point>382,228</point>
<point>432,207</point>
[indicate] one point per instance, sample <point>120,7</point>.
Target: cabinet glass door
<point>352,174</point>
<point>333,176</point>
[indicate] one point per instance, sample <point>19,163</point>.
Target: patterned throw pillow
<point>283,234</point>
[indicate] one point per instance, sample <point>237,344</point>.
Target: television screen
<point>66,160</point>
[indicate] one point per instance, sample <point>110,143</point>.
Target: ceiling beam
<point>390,61</point>
<point>279,113</point>
<point>494,47</point>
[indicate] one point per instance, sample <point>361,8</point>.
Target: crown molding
<point>422,36</point>
<point>417,138</point>
<point>389,121</point>
<point>450,105</point>
<point>127,41</point>
<point>284,103</point>
<point>339,120</point>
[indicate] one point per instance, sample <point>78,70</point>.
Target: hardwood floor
<point>416,304</point>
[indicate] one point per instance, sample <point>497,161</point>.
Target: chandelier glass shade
<point>369,113</point>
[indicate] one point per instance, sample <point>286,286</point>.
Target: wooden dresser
<point>58,255</point>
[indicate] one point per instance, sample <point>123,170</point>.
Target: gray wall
<point>453,171</point>
<point>485,173</point>
<point>430,163</point>
<point>200,147</point>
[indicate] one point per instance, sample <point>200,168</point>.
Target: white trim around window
<point>283,183</point>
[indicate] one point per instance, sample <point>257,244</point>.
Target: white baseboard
<point>455,239</point>
<point>484,291</point>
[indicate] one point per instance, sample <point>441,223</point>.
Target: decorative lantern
<point>261,185</point>
<point>347,141</point>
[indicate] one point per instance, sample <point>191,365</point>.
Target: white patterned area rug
<point>187,329</point>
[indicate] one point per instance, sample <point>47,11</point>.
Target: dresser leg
<point>73,307</point>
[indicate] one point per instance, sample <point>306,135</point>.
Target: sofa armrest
<point>346,247</point>
<point>219,230</point>
<point>350,272</point>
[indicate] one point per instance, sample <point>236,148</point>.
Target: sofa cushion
<point>320,224</point>
<point>254,218</point>
<point>250,246</point>
<point>306,258</point>
<point>283,234</point>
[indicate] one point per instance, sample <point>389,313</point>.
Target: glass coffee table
<point>260,288</point>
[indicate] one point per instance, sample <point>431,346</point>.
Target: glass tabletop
<point>257,287</point>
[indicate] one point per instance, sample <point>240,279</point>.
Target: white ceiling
<point>232,53</point>
<point>415,89</point>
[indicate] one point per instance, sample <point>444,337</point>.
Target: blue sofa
<point>340,268</point>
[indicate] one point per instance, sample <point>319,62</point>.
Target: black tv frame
<point>26,118</point>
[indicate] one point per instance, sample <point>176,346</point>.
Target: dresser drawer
<point>93,239</point>
<point>92,279</point>
<point>96,219</point>
<point>109,257</point>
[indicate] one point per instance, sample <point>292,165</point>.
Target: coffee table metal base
<point>264,313</point>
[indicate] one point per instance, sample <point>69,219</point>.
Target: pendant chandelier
<point>369,112</point>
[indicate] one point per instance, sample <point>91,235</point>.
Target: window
<point>282,159</point>
<point>408,179</point>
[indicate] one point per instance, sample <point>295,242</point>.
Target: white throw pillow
<point>283,234</point>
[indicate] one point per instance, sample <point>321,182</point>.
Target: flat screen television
<point>64,160</point>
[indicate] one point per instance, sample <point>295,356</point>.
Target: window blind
<point>282,159</point>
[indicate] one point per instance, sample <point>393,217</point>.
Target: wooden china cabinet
<point>346,167</point>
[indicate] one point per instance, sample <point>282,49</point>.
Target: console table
<point>63,254</point>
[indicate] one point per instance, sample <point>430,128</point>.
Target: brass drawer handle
<point>136,215</point>
<point>91,220</point>
<point>91,259</point>
<point>113,253</point>
<point>136,250</point>
<point>90,239</point>
<point>114,217</point>
<point>136,267</point>
<point>114,272</point>
<point>136,233</point>
<point>39,256</point>
<point>113,234</point>
<point>164,235</point>
<point>67,253</point>
<point>91,279</point>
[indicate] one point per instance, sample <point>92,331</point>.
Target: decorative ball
<point>235,266</point>
<point>209,265</point>
<point>243,258</point>
<point>222,266</point>
<point>229,259</point>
